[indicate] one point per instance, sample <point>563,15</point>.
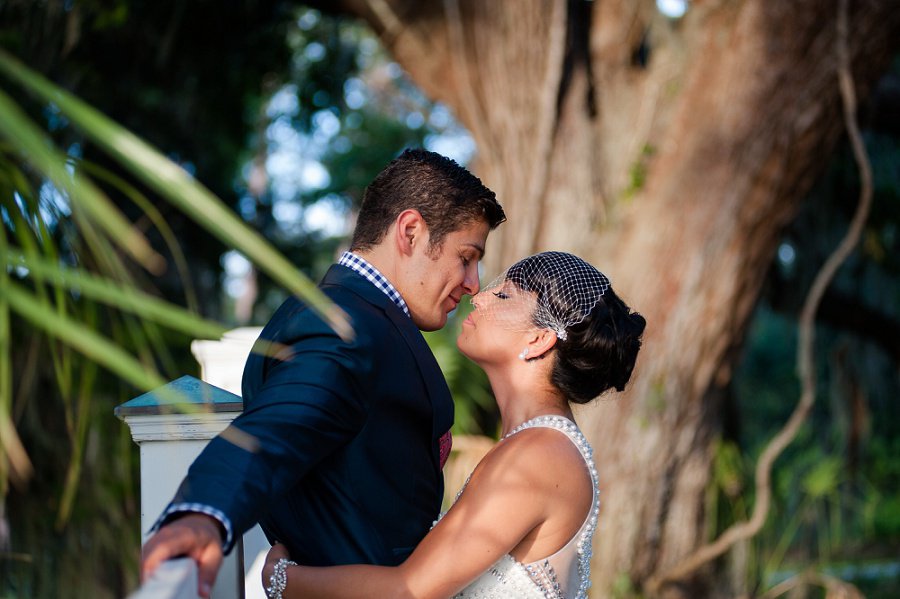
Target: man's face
<point>437,279</point>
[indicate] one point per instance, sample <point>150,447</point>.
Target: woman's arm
<point>508,496</point>
<point>337,581</point>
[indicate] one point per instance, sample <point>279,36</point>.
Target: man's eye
<point>501,295</point>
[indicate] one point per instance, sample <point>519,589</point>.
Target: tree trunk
<point>670,154</point>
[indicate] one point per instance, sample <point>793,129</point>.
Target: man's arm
<point>311,403</point>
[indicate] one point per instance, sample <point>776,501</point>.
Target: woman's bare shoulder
<point>538,455</point>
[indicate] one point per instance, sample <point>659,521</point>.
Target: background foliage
<point>286,114</point>
<point>836,488</point>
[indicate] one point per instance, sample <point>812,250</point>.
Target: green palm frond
<point>171,182</point>
<point>67,255</point>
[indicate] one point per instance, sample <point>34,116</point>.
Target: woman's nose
<point>477,299</point>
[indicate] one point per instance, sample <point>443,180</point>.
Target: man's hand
<point>195,535</point>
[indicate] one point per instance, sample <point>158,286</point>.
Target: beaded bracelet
<point>278,579</point>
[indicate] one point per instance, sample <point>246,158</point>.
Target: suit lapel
<point>441,401</point>
<point>436,385</point>
<point>434,379</point>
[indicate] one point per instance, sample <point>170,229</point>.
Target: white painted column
<point>222,362</point>
<point>170,440</point>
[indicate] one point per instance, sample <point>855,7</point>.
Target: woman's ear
<point>410,230</point>
<point>540,343</point>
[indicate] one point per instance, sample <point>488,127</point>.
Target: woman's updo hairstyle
<point>598,334</point>
<point>600,352</point>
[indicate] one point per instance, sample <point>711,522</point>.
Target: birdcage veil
<point>550,290</point>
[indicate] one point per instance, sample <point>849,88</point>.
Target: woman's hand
<point>277,552</point>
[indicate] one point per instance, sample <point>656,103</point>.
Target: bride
<point>549,332</point>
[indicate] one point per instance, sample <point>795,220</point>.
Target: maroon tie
<point>445,445</point>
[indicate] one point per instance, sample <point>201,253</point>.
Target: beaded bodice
<point>563,575</point>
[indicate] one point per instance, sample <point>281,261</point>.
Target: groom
<point>352,435</point>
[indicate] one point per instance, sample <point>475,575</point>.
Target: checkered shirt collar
<point>362,266</point>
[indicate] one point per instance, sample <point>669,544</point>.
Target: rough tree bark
<point>671,154</point>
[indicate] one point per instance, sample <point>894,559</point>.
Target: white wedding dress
<point>563,575</point>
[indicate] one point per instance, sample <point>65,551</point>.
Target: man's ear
<point>540,342</point>
<point>410,231</point>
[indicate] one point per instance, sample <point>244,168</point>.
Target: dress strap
<point>569,428</point>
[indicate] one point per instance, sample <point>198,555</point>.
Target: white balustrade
<point>174,579</point>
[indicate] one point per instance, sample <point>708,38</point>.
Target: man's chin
<point>431,324</point>
<point>442,322</point>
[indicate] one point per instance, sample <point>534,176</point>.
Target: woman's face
<point>497,328</point>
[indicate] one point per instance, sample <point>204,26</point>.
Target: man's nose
<point>470,283</point>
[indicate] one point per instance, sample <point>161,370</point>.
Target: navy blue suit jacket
<point>348,467</point>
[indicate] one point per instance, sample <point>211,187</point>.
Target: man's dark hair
<point>446,195</point>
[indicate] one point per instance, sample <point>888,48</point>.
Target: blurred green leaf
<point>39,152</point>
<point>84,339</point>
<point>173,183</point>
<point>156,217</point>
<point>824,478</point>
<point>728,468</point>
<point>123,297</point>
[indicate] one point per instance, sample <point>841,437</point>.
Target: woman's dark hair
<point>446,195</point>
<point>599,350</point>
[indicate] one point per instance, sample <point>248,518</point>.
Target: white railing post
<point>222,362</point>
<point>170,441</point>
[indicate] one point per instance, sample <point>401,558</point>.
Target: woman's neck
<point>524,392</point>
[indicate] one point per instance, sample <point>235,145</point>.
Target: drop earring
<point>524,354</point>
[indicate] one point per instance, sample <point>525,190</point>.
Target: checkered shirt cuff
<point>176,508</point>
